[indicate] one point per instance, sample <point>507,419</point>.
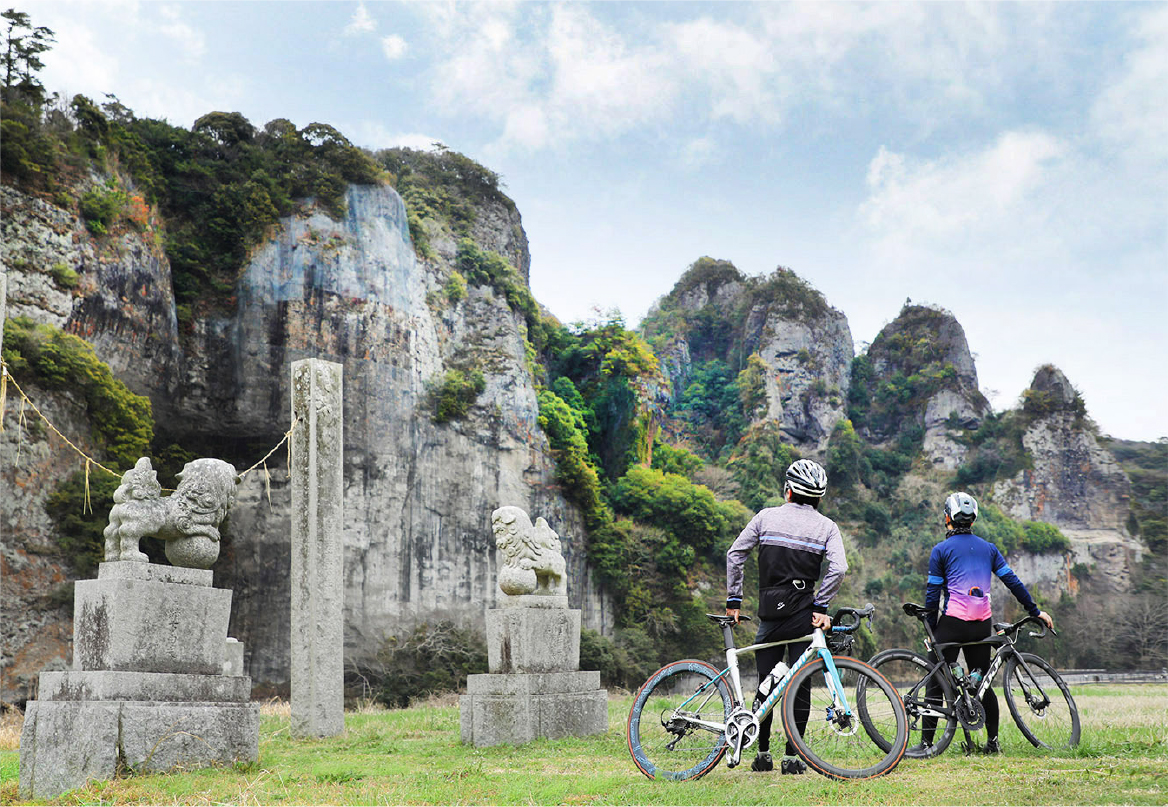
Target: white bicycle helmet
<point>807,478</point>
<point>961,508</point>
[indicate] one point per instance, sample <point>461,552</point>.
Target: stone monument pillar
<point>535,687</point>
<point>318,697</point>
<point>156,683</point>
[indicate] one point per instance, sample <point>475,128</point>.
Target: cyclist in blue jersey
<point>960,570</point>
<point>793,542</point>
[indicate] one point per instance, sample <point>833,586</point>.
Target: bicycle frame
<point>953,688</point>
<point>818,649</point>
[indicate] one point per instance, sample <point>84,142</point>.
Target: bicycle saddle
<point>721,620</point>
<point>912,609</point>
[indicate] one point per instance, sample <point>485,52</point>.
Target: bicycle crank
<point>741,731</point>
<point>971,713</point>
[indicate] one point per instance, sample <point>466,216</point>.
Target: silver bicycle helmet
<point>807,478</point>
<point>961,508</point>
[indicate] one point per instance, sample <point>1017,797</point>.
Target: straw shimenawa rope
<point>6,378</point>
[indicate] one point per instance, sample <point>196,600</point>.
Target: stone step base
<point>117,685</point>
<point>519,708</point>
<point>64,743</point>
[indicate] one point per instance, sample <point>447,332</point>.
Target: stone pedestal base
<point>518,708</point>
<point>150,618</point>
<point>71,736</point>
<point>155,685</point>
<point>527,639</point>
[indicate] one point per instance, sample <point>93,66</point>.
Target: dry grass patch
<point>11,722</point>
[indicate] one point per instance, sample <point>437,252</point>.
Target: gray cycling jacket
<point>793,541</point>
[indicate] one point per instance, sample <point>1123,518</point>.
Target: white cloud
<point>479,70</point>
<point>362,22</point>
<point>373,135</point>
<point>984,197</point>
<point>698,152</point>
<point>735,63</point>
<point>393,46</point>
<point>1132,112</point>
<point>79,62</point>
<point>601,83</point>
<point>527,126</point>
<point>751,65</point>
<point>190,41</point>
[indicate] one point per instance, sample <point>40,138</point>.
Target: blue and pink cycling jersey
<point>962,567</point>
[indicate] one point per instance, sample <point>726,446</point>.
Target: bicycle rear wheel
<point>908,671</point>
<point>834,742</point>
<point>1041,703</point>
<point>662,736</point>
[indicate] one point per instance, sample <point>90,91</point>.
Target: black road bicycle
<point>1039,700</point>
<point>688,715</point>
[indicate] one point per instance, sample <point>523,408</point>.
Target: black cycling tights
<point>952,629</point>
<point>775,631</point>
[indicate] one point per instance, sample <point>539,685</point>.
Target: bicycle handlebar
<point>854,617</point>
<point>1016,626</point>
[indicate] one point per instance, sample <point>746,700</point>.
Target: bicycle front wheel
<point>1041,703</point>
<point>909,672</point>
<point>664,737</point>
<point>832,740</point>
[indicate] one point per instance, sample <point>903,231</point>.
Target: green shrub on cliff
<point>454,393</point>
<point>122,422</point>
<point>122,425</point>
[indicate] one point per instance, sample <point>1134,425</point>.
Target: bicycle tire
<point>841,748</point>
<point>908,671</point>
<point>1055,726</point>
<point>664,691</point>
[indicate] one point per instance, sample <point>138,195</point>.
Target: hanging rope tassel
<point>3,393</point>
<point>88,506</point>
<point>20,429</point>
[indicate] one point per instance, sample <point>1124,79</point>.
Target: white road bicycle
<point>689,715</point>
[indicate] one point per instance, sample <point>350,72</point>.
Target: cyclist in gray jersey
<point>793,541</point>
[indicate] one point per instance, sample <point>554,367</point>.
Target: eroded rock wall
<point>1075,483</point>
<point>418,495</point>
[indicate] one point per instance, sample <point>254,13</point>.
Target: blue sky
<point>1006,161</point>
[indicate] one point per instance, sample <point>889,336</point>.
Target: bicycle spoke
<point>1041,704</point>
<point>663,737</point>
<point>928,734</point>
<point>838,744</point>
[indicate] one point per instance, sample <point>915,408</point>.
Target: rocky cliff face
<point>809,363</point>
<point>926,351</point>
<point>418,495</point>
<point>805,345</point>
<point>1075,483</point>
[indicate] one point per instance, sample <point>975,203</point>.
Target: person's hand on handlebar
<point>821,621</point>
<point>734,612</point>
<point>1046,619</point>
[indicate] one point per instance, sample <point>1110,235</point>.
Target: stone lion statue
<point>187,520</point>
<point>532,562</point>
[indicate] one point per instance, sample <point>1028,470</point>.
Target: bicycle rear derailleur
<point>741,731</point>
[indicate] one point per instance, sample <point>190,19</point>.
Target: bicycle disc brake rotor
<point>971,714</point>
<point>841,722</point>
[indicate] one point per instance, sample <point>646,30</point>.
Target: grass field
<point>413,756</point>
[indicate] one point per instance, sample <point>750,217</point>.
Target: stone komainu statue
<point>187,520</point>
<point>531,558</point>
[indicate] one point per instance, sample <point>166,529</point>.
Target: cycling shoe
<point>763,762</point>
<point>793,765</point>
